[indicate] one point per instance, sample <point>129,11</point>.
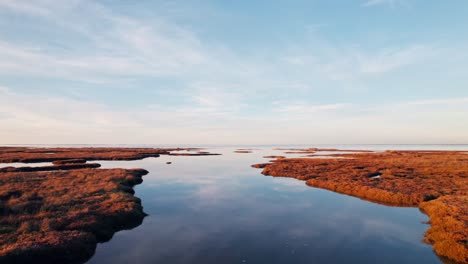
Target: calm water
<point>217,209</point>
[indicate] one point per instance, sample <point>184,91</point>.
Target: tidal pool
<point>217,209</point>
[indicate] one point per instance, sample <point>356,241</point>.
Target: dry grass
<point>29,155</point>
<point>274,157</point>
<point>69,166</point>
<point>313,150</point>
<point>449,226</point>
<point>69,161</point>
<point>61,156</point>
<point>59,216</point>
<point>402,178</point>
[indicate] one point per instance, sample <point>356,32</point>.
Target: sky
<point>233,72</point>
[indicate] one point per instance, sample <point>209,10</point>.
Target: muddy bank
<point>435,181</point>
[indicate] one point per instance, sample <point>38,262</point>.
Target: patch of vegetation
<point>436,181</point>
<point>59,216</point>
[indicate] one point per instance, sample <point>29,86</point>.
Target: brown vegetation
<point>30,155</point>
<point>343,150</point>
<point>299,152</point>
<point>69,161</point>
<point>260,165</point>
<point>242,151</point>
<point>71,166</point>
<point>274,157</point>
<point>313,150</point>
<point>59,216</point>
<point>448,232</point>
<point>402,178</point>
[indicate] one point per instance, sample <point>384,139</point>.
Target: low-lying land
<point>199,153</point>
<point>31,155</point>
<point>274,157</point>
<point>58,213</point>
<point>435,181</point>
<point>313,150</point>
<point>71,166</point>
<point>69,161</point>
<point>58,217</point>
<point>242,151</point>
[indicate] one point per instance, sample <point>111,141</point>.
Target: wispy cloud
<point>124,47</point>
<point>314,28</point>
<point>309,108</point>
<point>391,3</point>
<point>441,101</point>
<point>129,47</point>
<point>391,59</point>
<point>221,87</point>
<point>357,62</point>
<point>53,117</point>
<point>24,7</point>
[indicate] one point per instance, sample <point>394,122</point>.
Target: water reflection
<point>22,164</point>
<point>217,209</point>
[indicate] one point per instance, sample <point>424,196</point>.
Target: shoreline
<point>95,203</point>
<point>434,181</point>
<point>60,216</point>
<point>58,213</point>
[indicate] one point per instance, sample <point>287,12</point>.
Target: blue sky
<point>233,72</point>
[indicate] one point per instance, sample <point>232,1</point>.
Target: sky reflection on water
<point>217,209</point>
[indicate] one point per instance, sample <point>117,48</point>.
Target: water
<point>217,209</point>
<point>22,164</point>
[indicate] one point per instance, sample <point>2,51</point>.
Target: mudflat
<point>434,181</point>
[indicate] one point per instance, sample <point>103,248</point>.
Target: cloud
<point>54,119</point>
<point>24,7</point>
<point>58,113</point>
<point>36,62</point>
<point>219,98</point>
<point>357,63</point>
<point>391,59</point>
<point>391,3</point>
<point>441,101</point>
<point>210,87</point>
<point>123,47</point>
<point>314,28</point>
<point>118,46</point>
<point>309,109</point>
